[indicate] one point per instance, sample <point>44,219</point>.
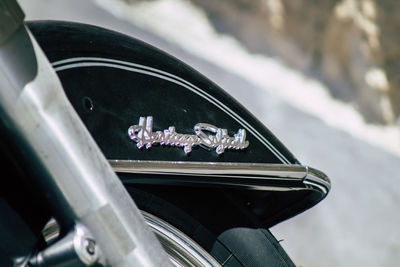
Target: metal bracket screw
<point>90,245</point>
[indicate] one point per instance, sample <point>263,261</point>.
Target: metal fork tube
<point>80,182</point>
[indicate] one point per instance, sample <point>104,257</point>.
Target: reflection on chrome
<point>257,176</point>
<point>145,137</point>
<point>181,249</point>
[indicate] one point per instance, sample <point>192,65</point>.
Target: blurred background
<point>322,75</point>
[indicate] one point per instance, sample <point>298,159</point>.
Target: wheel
<point>181,250</point>
<point>234,247</point>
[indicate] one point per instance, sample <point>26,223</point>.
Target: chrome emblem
<point>144,136</point>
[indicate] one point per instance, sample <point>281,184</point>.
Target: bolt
<point>90,246</point>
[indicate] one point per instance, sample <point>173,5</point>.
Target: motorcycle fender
<point>161,123</point>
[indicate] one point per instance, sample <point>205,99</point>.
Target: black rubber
<point>255,247</point>
<point>237,246</point>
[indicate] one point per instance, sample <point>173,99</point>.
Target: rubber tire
<point>238,246</point>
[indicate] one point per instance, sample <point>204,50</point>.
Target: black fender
<point>125,90</point>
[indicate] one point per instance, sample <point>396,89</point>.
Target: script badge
<point>219,140</point>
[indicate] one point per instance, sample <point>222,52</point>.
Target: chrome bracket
<point>77,248</point>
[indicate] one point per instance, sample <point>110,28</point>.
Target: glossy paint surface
<point>113,81</point>
<point>112,90</point>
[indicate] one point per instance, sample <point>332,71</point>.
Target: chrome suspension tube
<point>76,178</point>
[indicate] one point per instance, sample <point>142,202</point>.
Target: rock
<point>350,45</point>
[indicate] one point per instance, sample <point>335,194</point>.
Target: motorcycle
<point>118,154</point>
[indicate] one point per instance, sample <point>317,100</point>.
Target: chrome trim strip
<point>257,176</point>
<point>319,179</point>
<point>212,169</point>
